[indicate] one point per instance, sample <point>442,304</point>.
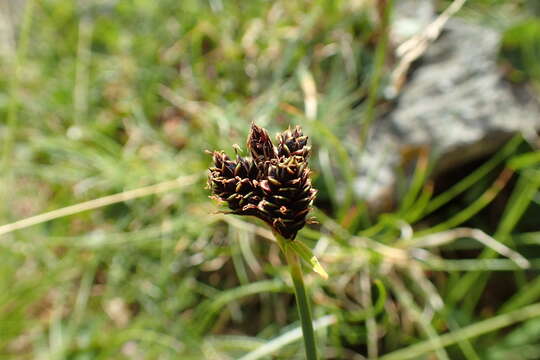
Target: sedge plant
<point>274,185</point>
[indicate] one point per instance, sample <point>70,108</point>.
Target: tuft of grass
<point>108,251</point>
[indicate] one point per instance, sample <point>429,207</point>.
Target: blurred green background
<point>103,97</point>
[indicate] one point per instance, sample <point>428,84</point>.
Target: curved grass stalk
<point>209,310</point>
<point>417,350</point>
<point>289,337</point>
<point>180,182</point>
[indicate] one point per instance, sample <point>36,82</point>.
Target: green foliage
<point>520,50</point>
<point>103,97</point>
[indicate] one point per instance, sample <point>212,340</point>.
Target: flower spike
<point>273,185</point>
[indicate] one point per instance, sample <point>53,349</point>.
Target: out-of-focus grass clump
<point>104,97</point>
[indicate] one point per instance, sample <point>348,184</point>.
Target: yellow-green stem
<point>302,302</point>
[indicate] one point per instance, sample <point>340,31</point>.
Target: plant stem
<point>302,302</point>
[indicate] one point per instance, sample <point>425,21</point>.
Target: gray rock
<point>456,104</point>
<point>410,17</point>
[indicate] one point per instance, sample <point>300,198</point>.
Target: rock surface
<point>456,104</point>
<point>410,18</point>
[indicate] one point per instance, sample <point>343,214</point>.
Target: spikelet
<point>234,181</point>
<point>293,143</point>
<point>288,195</point>
<point>260,145</point>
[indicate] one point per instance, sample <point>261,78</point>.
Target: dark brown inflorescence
<point>274,185</point>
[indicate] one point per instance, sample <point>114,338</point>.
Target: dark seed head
<point>273,185</point>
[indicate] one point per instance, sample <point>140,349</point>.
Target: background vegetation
<point>104,97</point>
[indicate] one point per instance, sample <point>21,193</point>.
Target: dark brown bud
<point>293,143</point>
<point>232,181</point>
<point>260,145</point>
<point>289,196</point>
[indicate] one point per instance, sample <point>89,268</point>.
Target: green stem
<point>302,302</point>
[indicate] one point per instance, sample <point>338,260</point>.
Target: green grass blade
<point>472,331</point>
<point>475,176</point>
